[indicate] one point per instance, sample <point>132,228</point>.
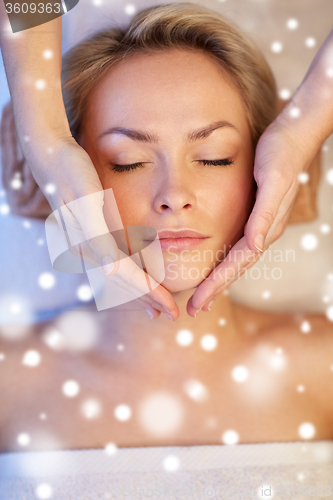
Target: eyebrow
<point>138,135</point>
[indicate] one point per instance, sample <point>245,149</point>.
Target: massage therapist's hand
<point>286,149</point>
<point>32,60</point>
<point>279,159</point>
<point>72,175</point>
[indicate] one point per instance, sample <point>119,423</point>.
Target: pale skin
<point>174,188</point>
<point>137,360</point>
<point>56,157</point>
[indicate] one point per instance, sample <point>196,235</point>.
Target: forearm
<point>35,82</point>
<point>314,100</point>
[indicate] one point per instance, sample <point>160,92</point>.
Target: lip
<point>178,240</point>
<point>180,233</point>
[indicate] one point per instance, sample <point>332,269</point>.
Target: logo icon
<point>141,264</point>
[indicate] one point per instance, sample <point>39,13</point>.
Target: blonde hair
<point>181,25</point>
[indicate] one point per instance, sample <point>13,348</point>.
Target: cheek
<point>132,199</point>
<point>131,196</point>
<point>230,205</point>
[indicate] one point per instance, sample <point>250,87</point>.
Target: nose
<point>175,192</point>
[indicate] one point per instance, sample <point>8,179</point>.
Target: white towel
<point>231,472</point>
<point>30,290</point>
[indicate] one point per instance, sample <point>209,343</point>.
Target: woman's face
<point>179,118</point>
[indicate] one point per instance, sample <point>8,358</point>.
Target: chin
<point>174,287</point>
<point>186,278</point>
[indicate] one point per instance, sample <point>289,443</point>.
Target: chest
<point>160,394</point>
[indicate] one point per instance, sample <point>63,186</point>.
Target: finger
<point>132,279</point>
<point>86,220</point>
<point>136,283</point>
<point>161,300</point>
<point>269,198</point>
<point>210,302</point>
<point>275,231</point>
<point>240,257</point>
<point>281,220</point>
<point>86,225</point>
<point>155,312</point>
<point>151,311</point>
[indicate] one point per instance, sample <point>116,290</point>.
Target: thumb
<point>86,226</point>
<point>268,201</point>
<point>103,253</point>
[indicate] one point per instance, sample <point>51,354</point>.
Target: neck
<point>129,317</point>
<point>142,346</point>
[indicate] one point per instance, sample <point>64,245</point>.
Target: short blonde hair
<point>181,25</point>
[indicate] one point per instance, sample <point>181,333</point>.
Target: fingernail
<point>150,314</point>
<point>168,316</point>
<point>107,264</point>
<point>210,304</point>
<point>167,310</point>
<point>259,242</point>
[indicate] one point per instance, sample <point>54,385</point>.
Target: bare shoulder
<point>307,342</point>
<point>310,344</point>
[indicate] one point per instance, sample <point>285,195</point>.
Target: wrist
<point>42,151</point>
<point>305,120</point>
<point>40,117</point>
<point>309,113</point>
<point>41,141</point>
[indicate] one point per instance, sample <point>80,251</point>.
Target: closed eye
<point>133,166</point>
<point>126,168</point>
<point>217,162</point>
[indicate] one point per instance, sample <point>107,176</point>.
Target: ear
<point>305,206</point>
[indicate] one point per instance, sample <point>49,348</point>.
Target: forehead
<point>169,86</point>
